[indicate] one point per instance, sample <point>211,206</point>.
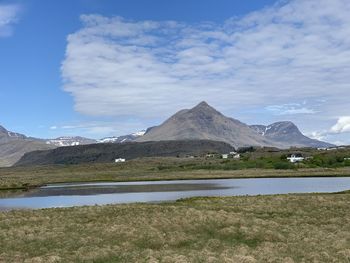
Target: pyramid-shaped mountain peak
<point>203,122</point>
<point>204,107</point>
<point>202,104</point>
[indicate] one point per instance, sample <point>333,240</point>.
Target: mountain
<point>204,122</point>
<point>70,141</point>
<point>14,145</point>
<point>122,139</point>
<point>108,152</point>
<point>287,133</point>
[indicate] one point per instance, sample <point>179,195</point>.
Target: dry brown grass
<point>282,228</point>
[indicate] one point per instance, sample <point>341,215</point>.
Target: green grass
<point>158,169</point>
<point>280,228</point>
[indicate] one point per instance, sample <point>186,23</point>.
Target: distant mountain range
<point>288,134</point>
<point>70,141</point>
<point>122,139</point>
<point>14,145</point>
<point>202,122</point>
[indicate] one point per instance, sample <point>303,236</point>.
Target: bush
<point>347,163</point>
<point>246,149</point>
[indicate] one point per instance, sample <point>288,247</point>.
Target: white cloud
<point>290,109</point>
<point>90,128</point>
<point>342,125</point>
<point>337,134</point>
<point>293,51</point>
<point>98,129</point>
<point>8,16</point>
<point>318,135</point>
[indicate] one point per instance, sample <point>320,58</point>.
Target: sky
<point>98,68</point>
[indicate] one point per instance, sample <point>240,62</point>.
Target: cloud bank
<point>8,16</point>
<point>342,125</point>
<point>282,55</point>
<point>337,134</point>
<point>290,109</point>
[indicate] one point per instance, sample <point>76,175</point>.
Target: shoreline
<point>165,178</point>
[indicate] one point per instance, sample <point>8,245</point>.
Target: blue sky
<point>99,68</point>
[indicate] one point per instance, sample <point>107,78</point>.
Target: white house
<point>224,156</point>
<point>236,156</point>
<point>295,158</point>
<point>120,160</point>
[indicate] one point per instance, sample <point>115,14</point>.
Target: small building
<point>224,156</point>
<point>119,160</point>
<point>295,158</point>
<point>236,156</point>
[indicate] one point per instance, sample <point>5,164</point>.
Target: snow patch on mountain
<point>123,138</point>
<point>69,141</point>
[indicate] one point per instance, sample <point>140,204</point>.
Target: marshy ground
<point>149,169</point>
<point>280,228</point>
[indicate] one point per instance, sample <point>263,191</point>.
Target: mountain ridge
<point>287,131</point>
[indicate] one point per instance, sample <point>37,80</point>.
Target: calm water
<point>66,195</point>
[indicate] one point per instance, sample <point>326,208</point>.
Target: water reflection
<point>65,195</point>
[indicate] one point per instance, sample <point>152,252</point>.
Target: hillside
<point>108,152</point>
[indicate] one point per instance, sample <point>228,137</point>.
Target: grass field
<point>281,228</point>
<point>148,169</point>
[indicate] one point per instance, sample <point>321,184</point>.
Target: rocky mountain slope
<point>14,145</point>
<point>287,133</point>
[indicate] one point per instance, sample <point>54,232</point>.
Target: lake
<point>79,194</point>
